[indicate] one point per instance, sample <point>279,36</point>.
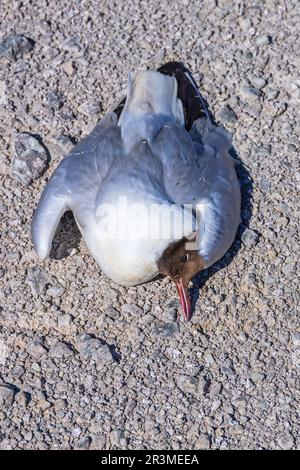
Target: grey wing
<point>199,171</point>
<point>52,205</point>
<point>74,183</point>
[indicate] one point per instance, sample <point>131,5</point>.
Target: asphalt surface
<point>85,363</point>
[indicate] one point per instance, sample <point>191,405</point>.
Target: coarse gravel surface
<point>85,363</point>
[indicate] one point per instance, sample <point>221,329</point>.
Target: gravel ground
<point>86,363</point>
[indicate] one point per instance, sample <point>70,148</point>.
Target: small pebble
<point>55,291</point>
<point>115,437</point>
<point>264,40</point>
<point>132,310</point>
<point>30,159</point>
<point>226,114</point>
<point>17,372</point>
<point>61,350</point>
<point>37,279</point>
<point>7,395</point>
<point>296,338</point>
<point>36,349</point>
<point>112,313</point>
<point>165,330</point>
<point>249,238</point>
<point>250,93</point>
<point>54,100</point>
<point>286,441</point>
<point>259,82</point>
<point>83,443</point>
<point>92,349</point>
<point>203,442</point>
<point>64,321</point>
<point>265,185</point>
<point>68,67</point>
<point>188,384</point>
<point>15,46</point>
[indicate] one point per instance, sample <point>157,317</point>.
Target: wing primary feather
<point>51,207</point>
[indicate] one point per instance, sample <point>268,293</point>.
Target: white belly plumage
<point>128,244</point>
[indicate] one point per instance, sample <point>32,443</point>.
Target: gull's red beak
<point>184,300</point>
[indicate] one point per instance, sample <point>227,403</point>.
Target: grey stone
<point>188,384</point>
<point>265,185</point>
<point>17,372</point>
<point>262,150</point>
<point>30,159</point>
<point>28,436</point>
<point>7,396</point>
<point>13,256</point>
<point>242,336</point>
<point>251,93</point>
<point>90,108</point>
<point>171,304</point>
<point>226,114</point>
<point>98,442</point>
<point>92,349</point>
<point>61,350</point>
<point>170,315</point>
<point>264,40</point>
<point>249,238</point>
<point>36,349</point>
<point>115,437</point>
<point>43,404</point>
<point>132,310</point>
<point>64,321</point>
<point>165,329</point>
<point>296,338</point>
<point>259,82</point>
<point>83,443</point>
<point>59,146</point>
<point>15,46</point>
<point>112,313</point>
<point>272,94</point>
<point>203,442</point>
<point>55,291</point>
<point>203,385</point>
<point>54,100</point>
<point>286,441</point>
<point>65,142</point>
<point>291,148</point>
<point>228,371</point>
<point>37,279</point>
<point>60,404</point>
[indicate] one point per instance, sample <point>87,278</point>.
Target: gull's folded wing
<point>198,170</point>
<point>52,205</point>
<point>75,182</point>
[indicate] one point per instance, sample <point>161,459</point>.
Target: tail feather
<point>193,103</point>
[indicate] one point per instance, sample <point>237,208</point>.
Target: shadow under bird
<point>153,188</point>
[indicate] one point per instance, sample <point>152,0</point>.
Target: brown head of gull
<point>181,264</point>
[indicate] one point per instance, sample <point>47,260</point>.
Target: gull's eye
<point>185,258</point>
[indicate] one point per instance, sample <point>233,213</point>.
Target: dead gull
<point>153,188</point>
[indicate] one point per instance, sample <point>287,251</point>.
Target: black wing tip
<point>170,68</point>
<point>120,107</point>
<point>193,103</point>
